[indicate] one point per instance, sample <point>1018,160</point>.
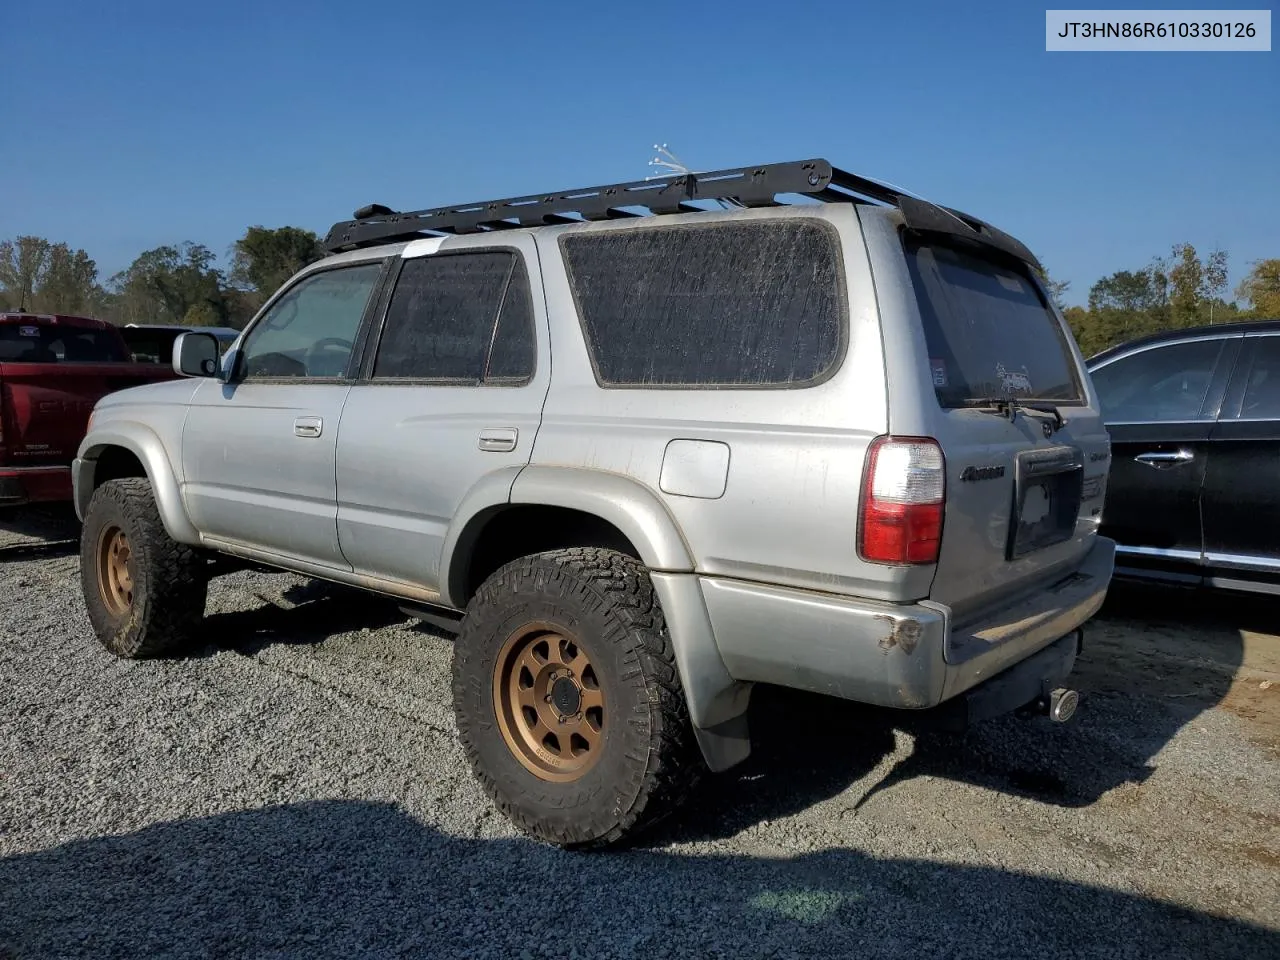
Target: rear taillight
<point>903,495</point>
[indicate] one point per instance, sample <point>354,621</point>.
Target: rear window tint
<point>462,318</point>
<point>754,304</point>
<point>990,335</point>
<point>51,343</point>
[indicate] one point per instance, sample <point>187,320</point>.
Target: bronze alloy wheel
<point>549,703</point>
<point>115,570</point>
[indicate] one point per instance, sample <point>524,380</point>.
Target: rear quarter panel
<point>787,512</point>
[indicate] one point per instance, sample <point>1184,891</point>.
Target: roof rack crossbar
<point>757,186</point>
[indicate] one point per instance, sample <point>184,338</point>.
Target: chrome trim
<point>1157,423</point>
<point>1242,561</point>
<point>1168,343</point>
<point>1173,456</point>
<point>1193,555</point>
<point>1248,586</point>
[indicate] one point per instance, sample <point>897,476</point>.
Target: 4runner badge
<point>970,474</point>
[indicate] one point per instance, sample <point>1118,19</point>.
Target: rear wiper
<point>1010,407</point>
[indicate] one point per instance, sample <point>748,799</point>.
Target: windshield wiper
<point>1011,406</point>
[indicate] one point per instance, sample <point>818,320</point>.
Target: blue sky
<point>128,125</point>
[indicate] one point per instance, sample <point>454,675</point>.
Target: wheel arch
<point>120,451</point>
<point>549,508</point>
<point>525,506</point>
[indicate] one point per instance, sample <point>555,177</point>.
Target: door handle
<point>1175,456</point>
<point>498,439</point>
<point>308,427</point>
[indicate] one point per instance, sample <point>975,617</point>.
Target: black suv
<point>1194,489</point>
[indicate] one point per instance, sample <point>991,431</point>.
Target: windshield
<point>989,331</point>
<point>50,343</point>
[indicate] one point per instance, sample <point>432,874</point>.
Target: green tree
<point>1124,305</point>
<point>201,315</point>
<point>1195,285</point>
<point>1130,291</point>
<point>69,283</point>
<point>23,263</point>
<point>164,284</point>
<point>263,259</point>
<point>1261,289</point>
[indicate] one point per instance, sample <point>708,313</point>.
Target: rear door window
<point>1164,384</point>
<point>464,318</point>
<point>989,331</point>
<point>751,304</point>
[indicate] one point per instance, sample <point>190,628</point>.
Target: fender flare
<point>627,504</point>
<point>147,446</point>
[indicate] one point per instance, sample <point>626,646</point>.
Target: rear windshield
<point>990,334</point>
<point>150,346</point>
<point>50,343</point>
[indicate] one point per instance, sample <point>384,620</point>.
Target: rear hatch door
<point>1025,450</point>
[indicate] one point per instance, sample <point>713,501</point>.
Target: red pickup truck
<point>53,369</point>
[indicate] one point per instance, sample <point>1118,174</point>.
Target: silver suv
<point>646,445</point>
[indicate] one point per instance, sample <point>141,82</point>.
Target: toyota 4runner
<point>646,444</point>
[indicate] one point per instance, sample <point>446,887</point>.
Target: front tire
<point>568,700</point>
<point>144,592</point>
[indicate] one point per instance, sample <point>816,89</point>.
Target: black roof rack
<point>758,186</point>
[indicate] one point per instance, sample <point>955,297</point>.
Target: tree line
<point>184,285</point>
<point>171,284</point>
<point>1183,289</point>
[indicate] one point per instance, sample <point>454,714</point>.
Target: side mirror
<point>196,355</point>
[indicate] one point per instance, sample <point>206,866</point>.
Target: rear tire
<point>144,592</point>
<point>568,700</point>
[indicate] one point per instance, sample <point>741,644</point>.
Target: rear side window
<point>51,343</point>
<point>460,318</point>
<point>756,304</point>
<point>989,332</point>
<point>1262,392</point>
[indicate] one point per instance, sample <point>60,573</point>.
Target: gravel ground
<point>294,789</point>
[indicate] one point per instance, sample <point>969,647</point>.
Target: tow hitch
<point>1033,687</point>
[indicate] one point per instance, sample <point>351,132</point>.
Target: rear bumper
<point>896,655</point>
<point>34,485</point>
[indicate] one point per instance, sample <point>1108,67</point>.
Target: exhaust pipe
<point>1062,704</point>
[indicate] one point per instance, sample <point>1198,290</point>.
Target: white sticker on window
<point>1013,381</point>
<point>939,369</point>
<point>28,331</point>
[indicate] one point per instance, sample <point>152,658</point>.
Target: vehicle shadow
<point>42,532</point>
<point>1154,659</point>
<point>349,879</point>
<point>304,614</point>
